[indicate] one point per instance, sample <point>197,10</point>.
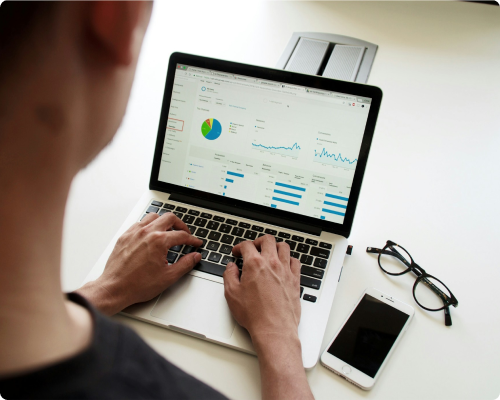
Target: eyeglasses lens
<point>429,293</point>
<point>399,260</point>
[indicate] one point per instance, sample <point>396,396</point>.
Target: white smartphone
<point>367,338</point>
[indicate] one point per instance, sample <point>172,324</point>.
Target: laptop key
<point>303,248</point>
<point>204,242</point>
<point>176,248</point>
<point>188,249</point>
<point>231,221</point>
<point>214,235</point>
<point>305,259</point>
<point>237,231</point>
<point>250,235</point>
<point>291,244</point>
<point>202,232</point>
<point>316,251</point>
<point>188,219</point>
<point>227,239</point>
<point>181,209</point>
<point>219,219</point>
<point>227,259</point>
<point>171,257</point>
<point>200,222</point>
<point>213,225</point>
<point>294,254</point>
<point>156,203</point>
<point>271,232</point>
<point>239,263</point>
<point>320,263</point>
<point>224,228</point>
<point>244,225</point>
<point>204,253</point>
<point>152,209</point>
<point>163,211</point>
<point>226,249</point>
<point>301,291</point>
<point>178,214</point>
<point>192,229</point>
<point>238,241</point>
<point>194,212</point>
<point>278,239</point>
<point>325,245</point>
<point>206,215</point>
<point>314,272</point>
<point>214,246</point>
<point>310,282</point>
<point>215,257</point>
<point>257,228</point>
<point>297,238</point>
<point>308,297</point>
<point>168,206</point>
<point>312,242</point>
<point>284,235</point>
<point>210,268</point>
<point>261,234</point>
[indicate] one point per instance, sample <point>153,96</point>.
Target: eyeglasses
<point>429,292</point>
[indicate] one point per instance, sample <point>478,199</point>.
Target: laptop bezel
<point>287,77</point>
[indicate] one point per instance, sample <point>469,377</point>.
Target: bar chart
<point>287,194</point>
<point>334,204</point>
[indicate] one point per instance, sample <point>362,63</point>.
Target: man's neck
<point>37,325</point>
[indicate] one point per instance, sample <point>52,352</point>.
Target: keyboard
<point>220,234</point>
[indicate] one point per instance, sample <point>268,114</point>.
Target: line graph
<point>325,157</point>
<point>291,151</point>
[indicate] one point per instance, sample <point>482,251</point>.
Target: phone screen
<point>368,335</point>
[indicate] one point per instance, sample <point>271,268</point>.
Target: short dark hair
<point>19,21</point>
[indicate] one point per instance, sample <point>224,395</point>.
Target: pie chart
<point>211,129</point>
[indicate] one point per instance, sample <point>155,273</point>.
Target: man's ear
<point>112,25</point>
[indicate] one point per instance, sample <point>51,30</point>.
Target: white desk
<point>432,182</point>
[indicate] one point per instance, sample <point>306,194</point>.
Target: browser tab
<point>291,87</point>
<point>344,96</point>
<point>319,92</point>
<point>269,83</point>
<point>221,74</point>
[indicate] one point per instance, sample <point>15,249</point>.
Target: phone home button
<point>346,370</point>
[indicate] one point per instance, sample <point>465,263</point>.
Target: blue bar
<point>299,196</point>
<point>225,187</point>
<point>235,174</point>
<point>290,186</point>
<point>322,217</point>
<point>273,205</point>
<point>333,212</point>
<point>329,203</point>
<point>336,197</point>
<point>295,203</point>
<point>229,180</point>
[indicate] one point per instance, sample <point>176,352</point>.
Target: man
<point>65,77</point>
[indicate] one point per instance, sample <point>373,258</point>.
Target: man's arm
<point>137,269</point>
<point>266,301</point>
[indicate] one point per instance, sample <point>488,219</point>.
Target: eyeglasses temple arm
<point>373,250</point>
<point>447,316</point>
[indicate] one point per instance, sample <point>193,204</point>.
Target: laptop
<point>244,151</point>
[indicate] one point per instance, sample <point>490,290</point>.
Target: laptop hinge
<point>266,218</point>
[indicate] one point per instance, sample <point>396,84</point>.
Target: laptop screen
<point>265,142</point>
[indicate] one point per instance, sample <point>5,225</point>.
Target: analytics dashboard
<point>282,146</point>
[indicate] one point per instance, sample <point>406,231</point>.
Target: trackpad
<point>198,305</point>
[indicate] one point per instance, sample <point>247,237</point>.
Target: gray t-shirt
<point>117,365</point>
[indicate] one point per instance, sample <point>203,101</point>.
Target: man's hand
<point>137,269</point>
<point>266,301</point>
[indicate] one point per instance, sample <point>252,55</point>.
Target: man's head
<point>66,72</point>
